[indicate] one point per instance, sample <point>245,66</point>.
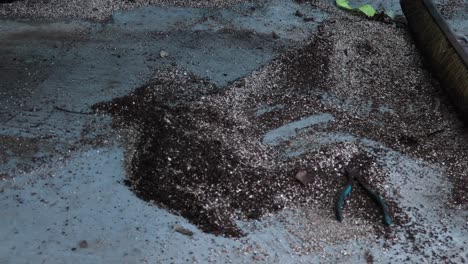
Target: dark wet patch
<point>44,35</point>
<point>24,154</point>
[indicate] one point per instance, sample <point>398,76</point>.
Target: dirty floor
<point>68,181</point>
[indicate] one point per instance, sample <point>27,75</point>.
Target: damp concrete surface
<point>62,192</point>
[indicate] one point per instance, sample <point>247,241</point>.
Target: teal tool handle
<point>339,205</point>
<point>380,202</point>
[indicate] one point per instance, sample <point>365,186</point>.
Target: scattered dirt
<point>99,10</point>
<point>449,7</point>
<point>23,153</point>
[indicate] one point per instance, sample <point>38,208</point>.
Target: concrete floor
<point>62,173</point>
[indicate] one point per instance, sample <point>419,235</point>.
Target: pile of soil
<point>198,150</point>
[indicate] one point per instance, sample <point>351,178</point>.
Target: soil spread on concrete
<point>220,155</point>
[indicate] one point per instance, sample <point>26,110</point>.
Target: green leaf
<point>343,4</point>
<point>367,10</point>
